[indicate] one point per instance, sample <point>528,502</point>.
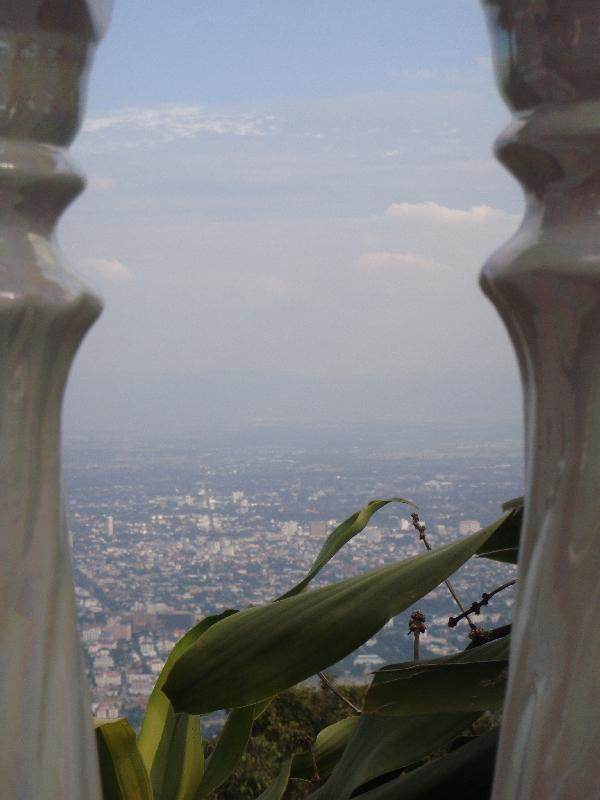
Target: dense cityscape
<point>168,531</point>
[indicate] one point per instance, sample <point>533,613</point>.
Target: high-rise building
<point>109,527</point>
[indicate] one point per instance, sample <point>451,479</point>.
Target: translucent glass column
<point>47,749</point>
<point>545,283</point>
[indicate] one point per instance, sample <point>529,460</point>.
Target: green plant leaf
<point>495,650</point>
<point>340,536</point>
<point>380,745</point>
<point>472,680</point>
<point>466,773</point>
<point>448,687</point>
<point>276,790</point>
<point>170,743</point>
<point>326,751</point>
<point>516,502</point>
<point>179,762</point>
<point>122,771</point>
<point>229,749</point>
<point>505,533</point>
<point>263,650</point>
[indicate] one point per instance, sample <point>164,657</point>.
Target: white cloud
<point>390,260</point>
<point>110,270</point>
<point>435,214</point>
<point>147,126</point>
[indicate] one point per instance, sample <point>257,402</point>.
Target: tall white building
<point>109,527</point>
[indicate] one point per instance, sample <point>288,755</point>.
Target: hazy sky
<point>288,207</point>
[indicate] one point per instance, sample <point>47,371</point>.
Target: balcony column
<point>47,749</point>
<point>545,283</point>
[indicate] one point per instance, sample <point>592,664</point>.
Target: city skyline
<point>174,531</point>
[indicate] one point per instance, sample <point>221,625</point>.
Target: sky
<point>287,209</point>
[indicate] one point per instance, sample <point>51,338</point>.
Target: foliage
<point>293,718</point>
<point>248,660</point>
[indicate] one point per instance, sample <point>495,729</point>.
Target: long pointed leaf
<point>230,747</point>
<point>170,743</point>
<point>179,762</point>
<point>340,536</point>
<point>471,680</point>
<point>380,745</point>
<point>122,770</point>
<point>448,687</point>
<point>466,773</point>
<point>264,650</point>
<point>495,650</point>
<point>516,502</point>
<point>503,543</point>
<point>276,790</point>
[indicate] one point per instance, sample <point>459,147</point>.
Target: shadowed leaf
<point>516,502</point>
<point>230,747</point>
<point>379,745</point>
<point>276,790</point>
<point>471,680</point>
<point>466,773</point>
<point>122,770</point>
<point>505,533</point>
<point>169,743</point>
<point>448,687</point>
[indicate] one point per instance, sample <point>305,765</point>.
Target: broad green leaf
<point>490,651</point>
<point>263,650</point>
<point>340,536</point>
<point>229,749</point>
<point>496,650</point>
<point>508,555</point>
<point>123,774</point>
<point>179,762</point>
<point>326,751</point>
<point>170,743</point>
<point>466,773</point>
<point>503,541</point>
<point>471,680</point>
<point>441,687</point>
<point>516,502</point>
<point>380,745</point>
<point>276,790</point>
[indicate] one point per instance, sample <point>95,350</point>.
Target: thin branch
<point>421,528</point>
<point>479,636</point>
<point>316,776</point>
<point>477,605</point>
<point>325,681</point>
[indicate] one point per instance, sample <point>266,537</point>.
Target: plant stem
<point>332,688</point>
<point>476,606</point>
<point>421,528</point>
